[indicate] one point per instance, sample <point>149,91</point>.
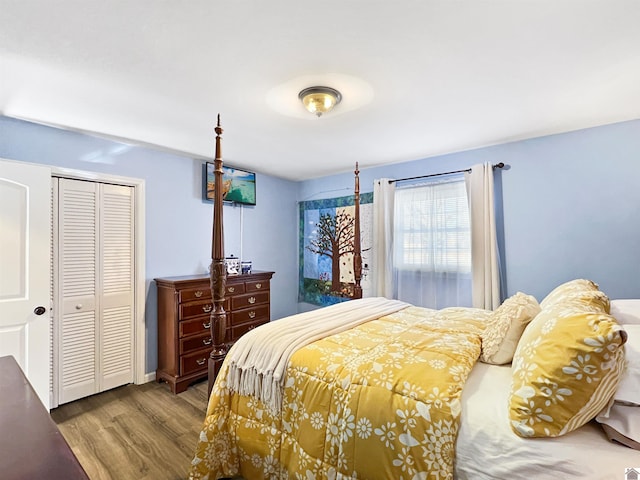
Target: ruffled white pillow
<point>505,326</point>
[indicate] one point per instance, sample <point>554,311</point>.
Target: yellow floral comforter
<point>379,401</point>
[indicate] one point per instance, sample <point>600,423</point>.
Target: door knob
<point>39,310</point>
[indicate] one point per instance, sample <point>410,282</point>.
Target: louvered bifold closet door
<point>96,267</point>
<point>78,318</point>
<point>116,327</point>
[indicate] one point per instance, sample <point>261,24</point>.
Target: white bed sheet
<point>488,449</point>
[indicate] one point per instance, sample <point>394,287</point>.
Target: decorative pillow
<point>566,289</point>
<point>626,311</point>
<point>587,300</point>
<point>565,371</point>
<point>505,326</point>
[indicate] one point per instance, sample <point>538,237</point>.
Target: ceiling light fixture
<point>320,100</point>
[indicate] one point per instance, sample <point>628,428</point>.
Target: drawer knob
<point>232,289</point>
<point>201,361</point>
<point>206,341</point>
<point>252,300</point>
<point>206,308</point>
<point>258,285</point>
<point>252,314</point>
<point>206,325</point>
<point>198,293</point>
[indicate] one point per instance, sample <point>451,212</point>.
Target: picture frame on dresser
<point>184,308</point>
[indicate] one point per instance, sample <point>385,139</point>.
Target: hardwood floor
<point>135,431</point>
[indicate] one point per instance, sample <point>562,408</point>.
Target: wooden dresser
<point>184,306</point>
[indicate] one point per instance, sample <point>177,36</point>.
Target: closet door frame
<point>139,354</point>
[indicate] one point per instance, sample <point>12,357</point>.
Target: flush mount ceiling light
<point>283,98</point>
<point>319,100</point>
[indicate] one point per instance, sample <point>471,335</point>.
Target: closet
<point>93,293</point>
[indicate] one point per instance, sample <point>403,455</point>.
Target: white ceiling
<point>418,78</point>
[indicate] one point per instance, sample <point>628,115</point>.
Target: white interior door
<point>25,233</point>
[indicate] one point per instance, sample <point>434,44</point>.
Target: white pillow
<point>626,311</point>
<point>622,425</point>
<point>621,422</point>
<point>629,387</point>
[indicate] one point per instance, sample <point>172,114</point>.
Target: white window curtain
<point>428,255</point>
<point>485,260</point>
<point>382,251</point>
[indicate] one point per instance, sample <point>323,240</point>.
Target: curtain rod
<point>497,165</point>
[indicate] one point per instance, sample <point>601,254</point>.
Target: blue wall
<point>570,205</point>
<point>178,221</point>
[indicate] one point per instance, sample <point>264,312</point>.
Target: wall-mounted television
<point>239,186</point>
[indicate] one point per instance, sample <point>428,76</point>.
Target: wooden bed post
<point>218,318</point>
<point>357,256</point>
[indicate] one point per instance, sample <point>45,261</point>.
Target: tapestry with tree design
<point>326,247</point>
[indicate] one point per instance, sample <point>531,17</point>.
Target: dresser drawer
<point>254,314</point>
<point>194,361</point>
<point>235,289</point>
<point>194,309</point>
<point>249,300</point>
<point>237,332</point>
<point>194,327</point>
<point>190,344</point>
<point>193,294</point>
<point>257,286</point>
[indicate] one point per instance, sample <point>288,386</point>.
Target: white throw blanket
<point>258,360</point>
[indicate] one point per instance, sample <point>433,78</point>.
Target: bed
<point>376,388</point>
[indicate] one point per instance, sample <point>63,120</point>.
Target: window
<point>432,245</point>
<point>432,228</point>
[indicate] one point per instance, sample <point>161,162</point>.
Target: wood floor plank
<point>135,431</point>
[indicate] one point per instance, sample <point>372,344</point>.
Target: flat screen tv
<point>239,186</point>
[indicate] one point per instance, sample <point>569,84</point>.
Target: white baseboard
<point>149,377</point>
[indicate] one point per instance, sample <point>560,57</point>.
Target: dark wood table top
<point>31,446</point>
